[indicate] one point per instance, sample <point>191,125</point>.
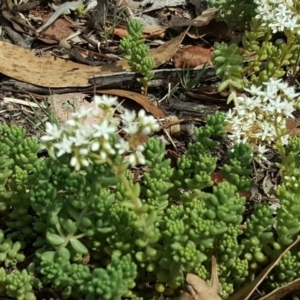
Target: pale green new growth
<point>137,53</point>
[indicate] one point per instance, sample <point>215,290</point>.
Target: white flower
<point>86,130</point>
<point>106,101</point>
<point>70,126</point>
<point>282,85</point>
<point>128,116</point>
<point>284,139</point>
<point>64,146</point>
<point>239,141</point>
<point>136,158</point>
<point>71,123</point>
<point>254,90</point>
<point>83,151</point>
<point>75,163</point>
<point>230,115</point>
<point>146,130</point>
<point>95,146</point>
<point>122,146</point>
<point>277,15</point>
<point>147,123</point>
<point>132,128</point>
<point>80,138</point>
<point>83,113</point>
<point>272,88</point>
<point>104,129</point>
<point>289,108</point>
<point>275,105</point>
<point>103,154</point>
<point>290,93</point>
<point>242,140</point>
<point>78,162</point>
<point>250,103</point>
<point>53,131</point>
<point>237,135</point>
<point>260,119</point>
<point>105,147</point>
<point>260,152</point>
<point>141,114</point>
<point>108,148</point>
<point>267,131</point>
<point>140,158</point>
<point>140,148</point>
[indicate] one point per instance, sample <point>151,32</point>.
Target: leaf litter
<point>176,40</point>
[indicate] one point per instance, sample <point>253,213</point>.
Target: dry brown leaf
<point>217,177</point>
<point>192,57</point>
<point>283,291</point>
<point>138,98</point>
<point>166,51</point>
<point>199,289</point>
<point>149,32</point>
<point>51,72</point>
<point>246,292</point>
<point>292,126</point>
<point>211,94</point>
<point>173,130</point>
<point>120,32</point>
<point>59,29</point>
<point>8,16</point>
<point>201,20</point>
<point>170,16</point>
<point>216,29</point>
<point>154,31</point>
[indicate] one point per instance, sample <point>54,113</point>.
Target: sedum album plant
<point>264,55</point>
<point>237,13</point>
<point>80,224</point>
<point>137,53</point>
<point>259,117</point>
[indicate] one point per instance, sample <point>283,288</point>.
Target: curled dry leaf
<point>153,31</point>
<point>64,44</point>
<point>192,57</point>
<point>199,289</point>
<point>216,29</point>
<point>149,32</point>
<point>142,100</point>
<point>201,20</point>
<point>59,29</point>
<point>174,130</point>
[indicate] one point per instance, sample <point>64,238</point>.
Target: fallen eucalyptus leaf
<point>199,289</point>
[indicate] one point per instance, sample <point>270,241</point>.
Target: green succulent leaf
<point>78,246</point>
<point>54,239</point>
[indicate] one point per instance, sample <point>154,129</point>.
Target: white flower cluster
<point>278,15</point>
<point>80,138</point>
<point>260,118</point>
